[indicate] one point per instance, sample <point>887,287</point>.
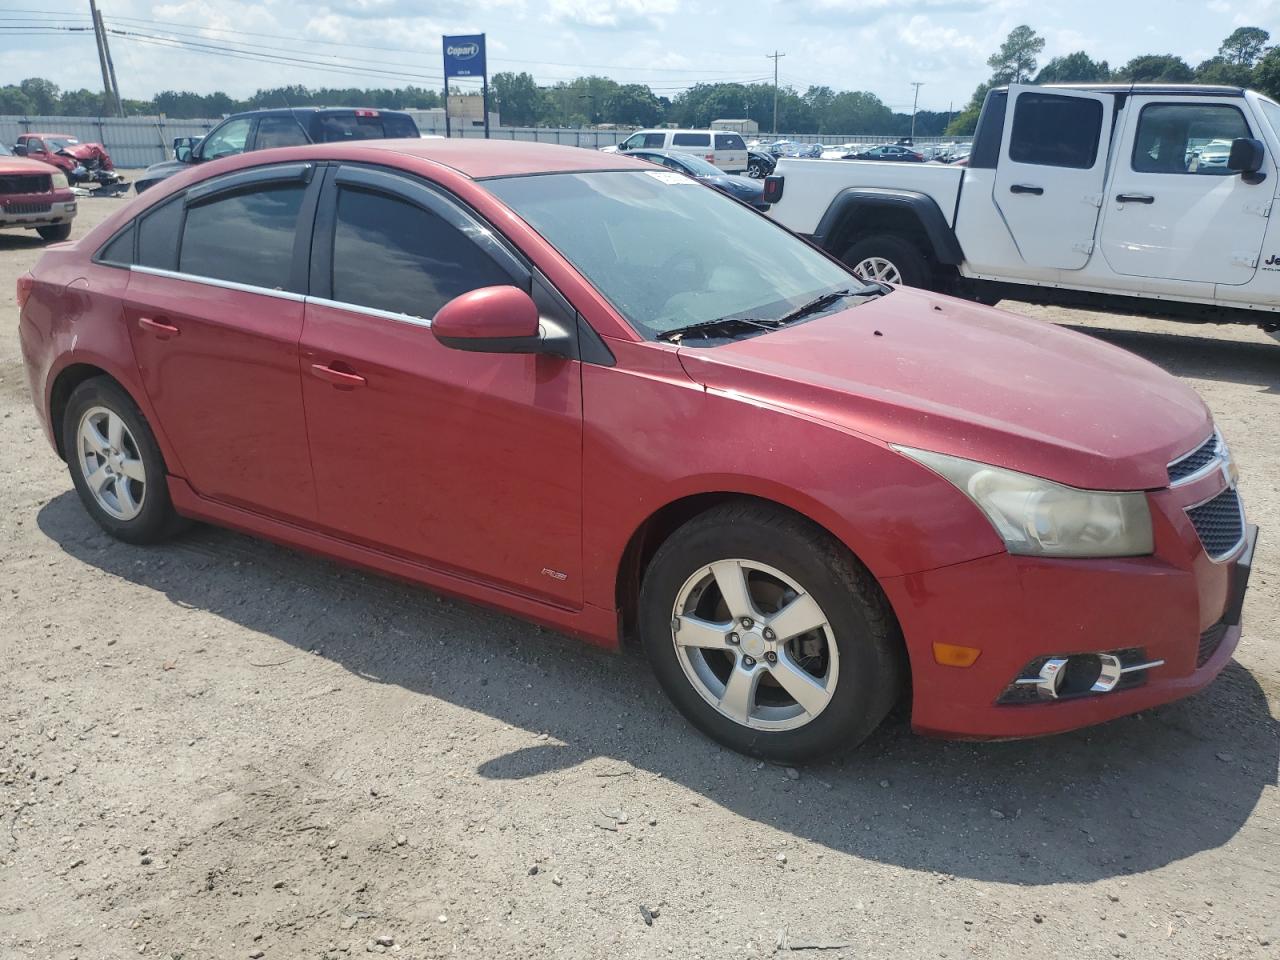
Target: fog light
<point>1078,675</point>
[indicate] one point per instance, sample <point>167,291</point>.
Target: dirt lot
<point>223,749</point>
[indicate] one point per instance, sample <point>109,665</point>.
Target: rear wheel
<point>116,465</point>
<point>768,635</point>
<point>757,170</point>
<point>890,259</point>
<point>54,234</point>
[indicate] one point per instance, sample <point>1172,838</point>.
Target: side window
<point>227,139</point>
<point>691,139</point>
<point>158,235</point>
<point>35,146</point>
<point>730,141</point>
<point>1055,131</point>
<point>635,142</point>
<point>280,132</point>
<point>243,237</point>
<point>655,140</point>
<point>1186,137</point>
<point>119,250</point>
<point>389,254</point>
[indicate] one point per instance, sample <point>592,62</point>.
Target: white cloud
<point>613,14</point>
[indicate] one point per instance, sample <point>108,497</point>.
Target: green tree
<point>1156,68</point>
<point>966,121</point>
<point>1015,61</point>
<point>1244,46</point>
<point>632,104</point>
<point>1076,67</point>
<point>81,103</point>
<point>519,99</point>
<point>43,95</point>
<point>1266,75</point>
<point>14,101</point>
<point>1221,70</point>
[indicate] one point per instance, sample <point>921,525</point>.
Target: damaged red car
<point>602,397</point>
<point>81,162</point>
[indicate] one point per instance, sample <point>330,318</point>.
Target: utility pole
<point>775,57</point>
<point>915,103</point>
<point>111,67</point>
<point>108,94</point>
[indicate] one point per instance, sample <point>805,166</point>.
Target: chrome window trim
<point>370,311</point>
<point>215,282</point>
<point>1238,547</point>
<point>1214,464</point>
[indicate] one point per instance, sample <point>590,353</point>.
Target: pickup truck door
<point>1171,214</point>
<point>1051,172</point>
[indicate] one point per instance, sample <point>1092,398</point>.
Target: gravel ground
<point>221,749</point>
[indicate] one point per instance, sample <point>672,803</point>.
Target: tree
<point>1076,67</point>
<point>43,95</point>
<point>1220,70</point>
<point>1015,61</point>
<point>1244,46</point>
<point>1266,75</point>
<point>14,101</point>
<point>966,121</point>
<point>1156,68</point>
<point>80,103</point>
<point>519,99</point>
<point>632,104</point>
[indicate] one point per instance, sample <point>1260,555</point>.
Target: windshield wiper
<point>827,299</point>
<point>724,326</point>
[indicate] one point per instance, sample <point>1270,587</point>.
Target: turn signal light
<point>26,283</point>
<point>954,655</point>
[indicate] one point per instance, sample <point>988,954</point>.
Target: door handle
<point>1135,198</point>
<point>339,378</point>
<point>163,328</point>
<point>1026,188</point>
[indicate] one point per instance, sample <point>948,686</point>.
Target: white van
<point>725,149</point>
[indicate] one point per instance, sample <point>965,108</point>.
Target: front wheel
<point>56,233</point>
<point>768,635</point>
<point>756,170</point>
<point>890,259</point>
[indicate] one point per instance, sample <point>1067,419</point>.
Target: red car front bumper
<point>1175,606</point>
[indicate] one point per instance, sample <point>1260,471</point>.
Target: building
<point>737,126</point>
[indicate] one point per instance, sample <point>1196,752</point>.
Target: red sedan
<point>607,399</point>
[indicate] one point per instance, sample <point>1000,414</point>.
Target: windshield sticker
<point>667,176</point>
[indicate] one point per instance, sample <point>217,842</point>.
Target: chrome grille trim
<point>1197,463</point>
<point>1223,513</point>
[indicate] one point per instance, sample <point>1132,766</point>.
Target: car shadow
<point>1206,358</point>
<point>1127,797</point>
<point>21,241</point>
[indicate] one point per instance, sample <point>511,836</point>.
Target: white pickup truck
<point>1111,196</point>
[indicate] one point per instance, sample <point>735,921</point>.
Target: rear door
<point>1170,216</point>
<point>731,152</point>
<point>1051,173</point>
<point>214,311</point>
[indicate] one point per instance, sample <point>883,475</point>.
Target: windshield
<point>668,252</point>
<point>698,167</point>
<point>1272,112</point>
<point>60,143</point>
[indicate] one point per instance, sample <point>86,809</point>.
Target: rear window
<point>245,237</point>
<point>730,141</point>
<point>1055,131</point>
<point>348,126</point>
<point>691,140</point>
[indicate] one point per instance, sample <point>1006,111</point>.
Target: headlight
<point>1043,518</point>
<point>60,181</point>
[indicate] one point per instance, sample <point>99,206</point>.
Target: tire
<point>859,684</point>
<point>54,234</point>
<point>903,256</point>
<point>756,170</point>
<point>133,502</point>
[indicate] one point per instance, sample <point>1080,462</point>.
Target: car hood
<point>21,166</point>
<point>163,169</point>
<point>86,151</point>
<point>738,186</point>
<point>939,374</point>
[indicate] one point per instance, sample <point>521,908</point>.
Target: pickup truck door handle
<point>1135,198</point>
<point>1027,188</point>
<point>163,328</point>
<point>339,378</point>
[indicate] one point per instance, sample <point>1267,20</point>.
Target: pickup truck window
<point>1186,137</point>
<point>1055,131</point>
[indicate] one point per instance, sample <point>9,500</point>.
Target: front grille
<point>1204,454</point>
<point>26,183</point>
<point>1210,640</point>
<point>1220,523</point>
<point>26,207</point>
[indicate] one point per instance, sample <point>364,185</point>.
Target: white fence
<point>135,142</point>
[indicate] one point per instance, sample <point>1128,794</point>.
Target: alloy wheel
<point>755,645</point>
<point>111,463</point>
<point>877,268</point>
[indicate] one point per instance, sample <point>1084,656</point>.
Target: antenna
<point>301,125</point>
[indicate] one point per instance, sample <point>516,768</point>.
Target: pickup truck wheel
<point>55,233</point>
<point>890,259</point>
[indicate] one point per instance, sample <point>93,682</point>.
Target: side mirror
<point>19,149</point>
<point>183,147</point>
<point>1247,157</point>
<point>498,320</point>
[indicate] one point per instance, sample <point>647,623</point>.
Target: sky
<point>876,45</point>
